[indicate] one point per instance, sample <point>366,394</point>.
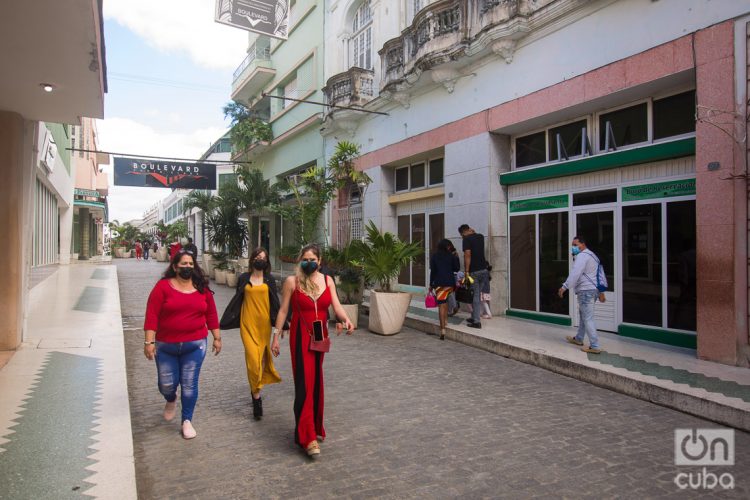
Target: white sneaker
<point>170,409</point>
<point>188,432</point>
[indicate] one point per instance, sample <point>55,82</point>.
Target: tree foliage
<point>247,127</point>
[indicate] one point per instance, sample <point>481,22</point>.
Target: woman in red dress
<point>308,296</point>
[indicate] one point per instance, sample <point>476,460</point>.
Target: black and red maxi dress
<point>307,365</point>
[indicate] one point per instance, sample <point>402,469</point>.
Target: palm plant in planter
<point>382,255</point>
<point>349,279</point>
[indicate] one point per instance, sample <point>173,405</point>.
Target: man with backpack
<point>588,281</point>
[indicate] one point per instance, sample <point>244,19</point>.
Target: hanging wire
<point>130,155</point>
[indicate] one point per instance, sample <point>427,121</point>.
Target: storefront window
<point>674,115</point>
<point>553,261</point>
<point>598,230</point>
<point>531,150</point>
<point>641,280</point>
<point>522,265</point>
<point>404,234</point>
<point>571,139</point>
<point>418,273</point>
<point>681,289</point>
<point>629,126</point>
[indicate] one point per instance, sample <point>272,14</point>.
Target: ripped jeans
<point>179,363</point>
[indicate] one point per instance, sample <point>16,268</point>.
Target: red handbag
<point>430,300</point>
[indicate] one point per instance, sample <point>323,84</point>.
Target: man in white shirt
<point>582,281</point>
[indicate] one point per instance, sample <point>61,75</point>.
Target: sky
<point>169,71</point>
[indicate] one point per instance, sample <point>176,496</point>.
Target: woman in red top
<point>179,313</point>
<point>308,294</point>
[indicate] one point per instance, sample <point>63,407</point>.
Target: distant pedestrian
<point>582,281</point>
<point>179,313</point>
<point>174,248</point>
<point>146,248</point>
<point>443,266</point>
<point>254,310</point>
<point>190,247</point>
<point>486,297</point>
<point>308,295</point>
<point>138,250</point>
<point>476,269</point>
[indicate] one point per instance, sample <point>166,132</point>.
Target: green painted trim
<point>660,335</point>
<point>616,159</point>
<point>535,316</point>
<point>86,203</point>
<point>534,204</point>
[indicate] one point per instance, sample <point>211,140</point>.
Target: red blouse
<point>178,316</point>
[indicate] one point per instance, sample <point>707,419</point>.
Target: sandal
<point>313,449</point>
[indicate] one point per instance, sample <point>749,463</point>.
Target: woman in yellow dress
<point>260,306</point>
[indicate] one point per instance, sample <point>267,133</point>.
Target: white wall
<point>616,31</point>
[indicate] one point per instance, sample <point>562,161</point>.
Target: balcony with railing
<point>447,33</point>
<point>353,87</point>
<point>254,72</point>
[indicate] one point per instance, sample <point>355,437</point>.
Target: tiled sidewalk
<point>666,375</point>
<point>65,391</point>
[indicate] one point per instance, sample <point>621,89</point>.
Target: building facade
<point>43,92</point>
<point>535,121</point>
<point>90,214</point>
<point>274,70</point>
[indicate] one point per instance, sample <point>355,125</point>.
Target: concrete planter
<point>220,276</point>
<point>161,254</point>
<point>231,279</point>
<point>207,263</point>
<point>352,310</point>
<point>388,311</point>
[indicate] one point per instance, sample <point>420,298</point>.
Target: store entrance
<point>598,229</point>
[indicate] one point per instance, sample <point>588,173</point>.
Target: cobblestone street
<point>407,416</point>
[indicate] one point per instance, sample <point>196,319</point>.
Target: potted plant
<point>220,268</point>
<point>349,278</point>
<point>382,255</point>
<point>288,253</point>
<point>231,278</point>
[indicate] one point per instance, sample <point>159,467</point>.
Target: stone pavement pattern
<point>407,417</point>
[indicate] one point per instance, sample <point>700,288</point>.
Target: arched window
<point>361,41</point>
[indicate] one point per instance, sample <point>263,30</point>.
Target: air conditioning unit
<point>48,153</point>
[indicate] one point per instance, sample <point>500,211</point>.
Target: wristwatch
<point>274,330</point>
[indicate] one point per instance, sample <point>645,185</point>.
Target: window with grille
<point>361,41</point>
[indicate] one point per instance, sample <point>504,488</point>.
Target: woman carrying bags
<point>308,296</point>
<point>443,266</point>
<point>254,309</point>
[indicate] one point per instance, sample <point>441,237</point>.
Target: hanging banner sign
<point>265,17</point>
<point>165,174</point>
<point>659,190</point>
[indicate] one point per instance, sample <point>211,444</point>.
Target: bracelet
<point>148,343</point>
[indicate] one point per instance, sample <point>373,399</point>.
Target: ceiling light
<point>48,87</point>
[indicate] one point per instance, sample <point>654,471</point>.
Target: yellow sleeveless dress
<point>255,331</point>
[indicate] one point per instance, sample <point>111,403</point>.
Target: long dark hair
<point>199,279</point>
<point>444,246</point>
<point>254,256</point>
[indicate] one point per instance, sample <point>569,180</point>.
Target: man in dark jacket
<point>476,268</point>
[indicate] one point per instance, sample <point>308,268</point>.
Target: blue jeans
<point>179,363</point>
<point>586,325</point>
<point>481,281</point>
<point>145,253</point>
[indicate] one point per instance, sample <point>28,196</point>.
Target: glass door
<point>598,229</point>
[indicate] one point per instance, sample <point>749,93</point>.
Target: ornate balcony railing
<point>447,30</point>
<point>353,87</point>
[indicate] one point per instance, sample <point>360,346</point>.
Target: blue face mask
<point>308,267</point>
<point>575,250</point>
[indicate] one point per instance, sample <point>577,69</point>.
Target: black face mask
<point>308,267</point>
<point>259,264</point>
<point>185,272</point>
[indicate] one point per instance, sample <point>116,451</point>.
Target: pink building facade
<point>643,151</point>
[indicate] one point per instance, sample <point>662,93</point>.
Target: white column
<point>66,232</point>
